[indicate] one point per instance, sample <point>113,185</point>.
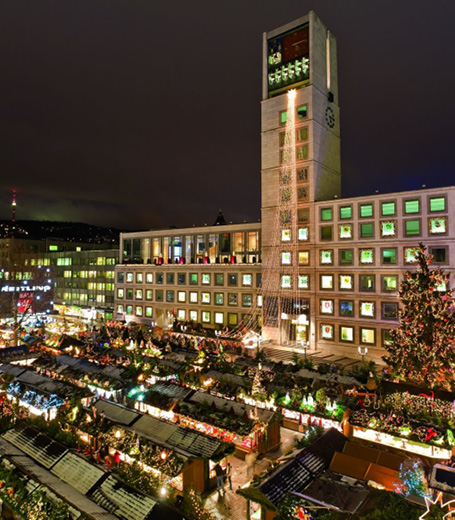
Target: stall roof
<point>14,370</point>
<point>380,457</point>
<point>116,413</point>
<point>171,390</point>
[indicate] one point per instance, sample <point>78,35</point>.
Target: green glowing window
<point>366,230</point>
<point>302,134</point>
<point>412,206</point>
<point>219,298</point>
<point>386,338</point>
<point>389,256</point>
<point>149,312</point>
<point>412,227</point>
<point>139,310</point>
<point>129,309</point>
<point>53,248</point>
<point>302,152</point>
<point>389,283</point>
<point>326,232</point>
<point>129,294</point>
<point>219,279</point>
<point>205,316</point>
<point>120,293</point>
<point>366,210</point>
<point>139,294</point>
<point>303,233</point>
<point>438,204</point>
<point>247,300</point>
<point>326,213</point>
<point>345,212</point>
<point>326,331</point>
<point>346,282</point>
<point>149,294</point>
<point>367,336</point>
<point>286,281</point>
<point>346,231</point>
<point>304,257</point>
<point>193,279</point>
<point>388,229</point>
<point>367,309</point>
<point>345,256</point>
<point>302,111</point>
<point>326,257</point>
<point>326,281</point>
<point>283,117</point>
<point>367,282</point>
<point>285,258</point>
<point>366,256</point>
<point>437,225</point>
<point>410,255</point>
<point>304,281</point>
<point>387,208</point>
<point>347,334</point>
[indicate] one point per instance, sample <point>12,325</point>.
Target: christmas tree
<point>422,349</point>
<point>412,479</point>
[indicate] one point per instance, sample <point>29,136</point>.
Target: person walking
<point>229,474</point>
<point>219,479</point>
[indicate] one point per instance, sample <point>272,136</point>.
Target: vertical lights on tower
<point>13,206</point>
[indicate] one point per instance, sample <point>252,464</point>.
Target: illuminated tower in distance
<point>13,207</point>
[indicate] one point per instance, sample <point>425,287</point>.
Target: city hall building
<point>320,272</point>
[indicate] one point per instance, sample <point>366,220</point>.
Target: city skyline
<point>111,117</point>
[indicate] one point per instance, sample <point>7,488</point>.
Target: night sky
<point>145,114</point>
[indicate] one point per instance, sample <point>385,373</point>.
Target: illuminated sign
<point>288,61</point>
<point>25,288</point>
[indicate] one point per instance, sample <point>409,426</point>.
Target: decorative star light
<point>450,515</point>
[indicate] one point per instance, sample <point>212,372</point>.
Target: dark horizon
<point>149,116</point>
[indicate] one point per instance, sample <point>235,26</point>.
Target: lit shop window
<point>219,318</point>
<point>193,297</point>
<point>388,228</point>
<point>139,310</point>
<point>347,333</point>
<point>437,225</point>
<point>346,282</point>
<point>367,309</point>
<point>205,279</point>
<point>139,277</point>
<point>205,297</point>
<point>120,308</point>
<point>326,281</point>
<point>149,312</point>
<point>149,294</point>
<point>326,306</point>
<point>285,235</point>
<point>286,282</point>
<point>149,278</point>
<point>410,255</point>
<point>247,280</point>
<point>181,314</point>
<point>129,277</point>
<point>139,294</point>
<point>366,256</point>
<point>193,315</point>
<point>326,257</point>
<point>345,231</point>
<point>304,257</point>
<point>326,331</point>
<point>304,281</point>
<point>181,296</point>
<point>129,310</point>
<point>205,316</point>
<point>120,293</point>
<point>303,234</point>
<point>367,336</point>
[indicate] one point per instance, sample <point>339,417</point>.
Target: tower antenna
<point>13,206</point>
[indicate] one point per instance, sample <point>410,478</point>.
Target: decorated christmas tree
<point>412,479</point>
<point>422,348</point>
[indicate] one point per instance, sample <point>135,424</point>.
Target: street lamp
<point>363,351</point>
<point>305,346</point>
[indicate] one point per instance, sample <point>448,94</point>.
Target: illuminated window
<point>285,235</point>
<point>219,318</point>
<point>247,280</point>
<point>232,318</point>
<point>193,315</point>
<point>205,297</point>
<point>387,209</point>
<point>410,255</point>
<point>345,231</point>
<point>193,297</point>
<point>304,257</point>
<point>437,225</point>
<point>437,204</point>
<point>390,311</point>
<point>303,233</point>
<point>326,306</point>
<point>347,333</point>
<point>346,282</point>
<point>412,227</point>
<point>149,312</point>
<point>345,256</point>
<point>367,309</point>
<point>219,298</point>
<point>411,206</point>
<point>283,117</point>
<point>389,283</point>
<point>367,336</point>
<point>232,299</point>
<point>285,258</point>
<point>120,308</point>
<point>259,300</point>
<point>302,152</point>
<point>366,210</point>
<point>205,316</point>
<point>302,134</point>
<point>149,277</point>
<point>219,279</point>
<point>388,228</point>
<point>326,256</point>
<point>366,230</point>
<point>247,300</point>
<point>286,281</point>
<point>346,308</point>
<point>120,293</point>
<point>149,294</point>
<point>367,256</point>
<point>129,293</point>
<point>193,279</point>
<point>139,294</point>
<point>304,281</point>
<point>302,111</point>
<point>205,280</point>
<point>139,310</point>
<point>345,212</point>
<point>129,277</point>
<point>181,314</point>
<point>232,280</point>
<point>326,213</point>
<point>129,310</point>
<point>169,296</point>
<point>326,331</point>
<point>181,296</point>
<point>367,282</point>
<point>326,281</point>
<point>139,277</point>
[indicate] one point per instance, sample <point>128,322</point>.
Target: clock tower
<point>300,164</point>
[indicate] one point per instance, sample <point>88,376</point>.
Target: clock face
<point>329,117</point>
